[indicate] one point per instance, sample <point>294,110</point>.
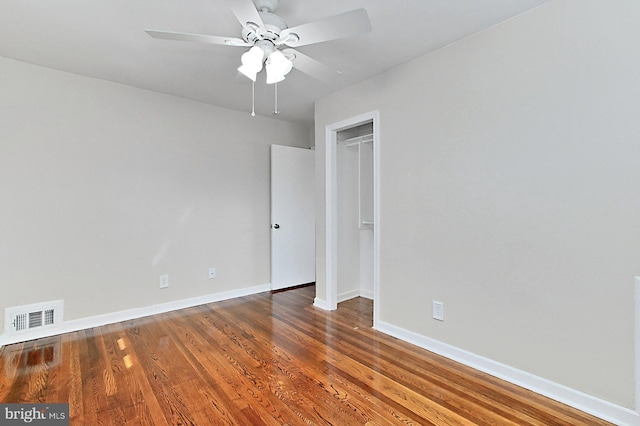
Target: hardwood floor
<point>269,359</point>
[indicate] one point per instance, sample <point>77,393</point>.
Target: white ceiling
<point>105,39</point>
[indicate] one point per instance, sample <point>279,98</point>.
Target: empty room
<point>342,212</point>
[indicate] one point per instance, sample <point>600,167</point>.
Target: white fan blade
<point>246,12</point>
<point>169,35</point>
<point>345,25</point>
<point>310,66</point>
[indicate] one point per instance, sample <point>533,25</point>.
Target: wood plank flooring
<point>267,359</point>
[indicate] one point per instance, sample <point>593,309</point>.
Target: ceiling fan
<point>271,42</point>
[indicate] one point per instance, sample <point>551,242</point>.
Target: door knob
<point>276,226</point>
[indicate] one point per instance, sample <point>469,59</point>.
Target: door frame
<point>331,214</point>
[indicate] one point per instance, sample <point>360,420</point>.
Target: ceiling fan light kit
<point>277,67</point>
<point>252,62</point>
<point>272,42</point>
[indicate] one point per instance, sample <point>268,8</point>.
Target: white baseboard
<point>129,314</point>
<point>321,303</point>
<point>348,295</point>
<point>355,293</point>
<point>636,293</point>
<point>367,294</point>
<point>600,408</point>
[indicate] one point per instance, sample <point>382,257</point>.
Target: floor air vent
<point>21,319</point>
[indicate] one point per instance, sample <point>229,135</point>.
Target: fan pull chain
<point>253,98</point>
<point>275,111</point>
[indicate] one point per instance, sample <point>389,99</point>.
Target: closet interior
<point>354,158</point>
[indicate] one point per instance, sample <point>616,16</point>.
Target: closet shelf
<point>358,140</point>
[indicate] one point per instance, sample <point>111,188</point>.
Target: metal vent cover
<point>21,319</point>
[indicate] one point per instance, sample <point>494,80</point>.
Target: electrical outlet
<point>164,281</point>
<point>212,273</point>
<point>438,310</point>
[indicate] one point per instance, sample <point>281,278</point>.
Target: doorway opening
<point>352,211</point>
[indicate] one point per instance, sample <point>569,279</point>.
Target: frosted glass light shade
<point>277,67</point>
<point>252,62</point>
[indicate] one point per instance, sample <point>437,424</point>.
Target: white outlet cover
<point>212,273</point>
<point>438,310</point>
<point>164,281</point>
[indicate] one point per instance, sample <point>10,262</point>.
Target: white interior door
<point>292,217</point>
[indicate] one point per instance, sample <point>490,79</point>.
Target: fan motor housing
<point>272,23</point>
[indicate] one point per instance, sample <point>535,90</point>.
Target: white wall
<point>509,171</point>
<point>105,187</point>
<point>348,266</point>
